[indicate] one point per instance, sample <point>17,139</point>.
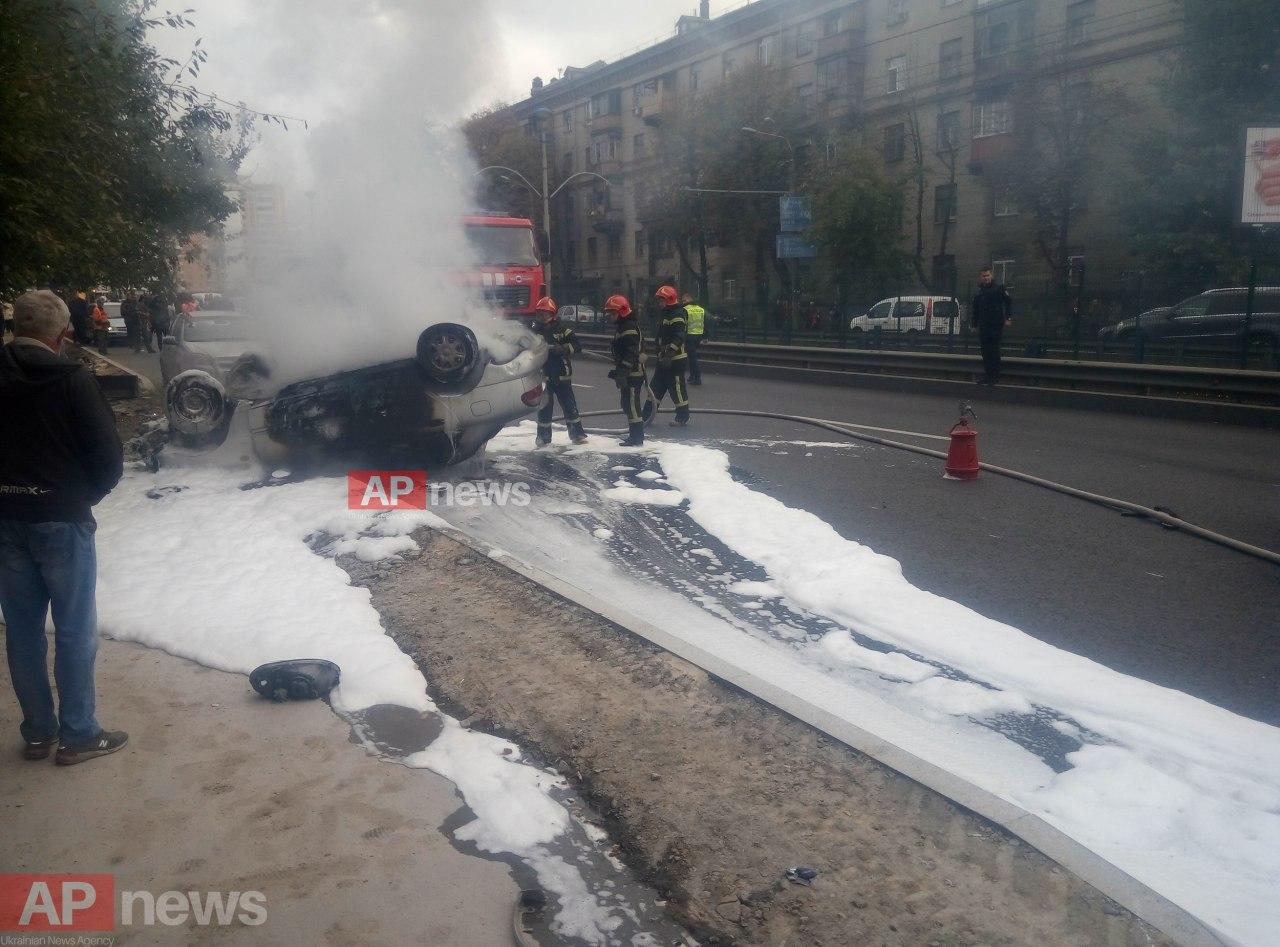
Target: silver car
<point>436,407</point>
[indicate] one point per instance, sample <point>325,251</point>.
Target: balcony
<point>851,42</point>
<point>987,148</point>
<point>1001,65</point>
<point>605,123</point>
<point>607,219</point>
<point>654,109</point>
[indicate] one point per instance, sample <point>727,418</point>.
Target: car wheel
<point>448,358</point>
<point>856,329</point>
<point>197,408</point>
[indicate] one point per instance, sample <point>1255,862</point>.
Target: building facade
<point>942,87</point>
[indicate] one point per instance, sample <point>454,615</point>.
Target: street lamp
<point>546,198</point>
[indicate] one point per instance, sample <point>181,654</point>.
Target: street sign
<point>793,246</point>
<point>794,213</point>
<point>1260,194</point>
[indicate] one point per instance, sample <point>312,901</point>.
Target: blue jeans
<point>43,564</point>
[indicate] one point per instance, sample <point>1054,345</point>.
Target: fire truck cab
<point>508,265</point>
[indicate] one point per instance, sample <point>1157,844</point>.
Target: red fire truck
<point>508,263</point>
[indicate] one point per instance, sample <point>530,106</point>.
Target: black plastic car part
<point>449,358</point>
<point>299,679</point>
<point>198,408</point>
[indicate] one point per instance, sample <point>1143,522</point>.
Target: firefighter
<point>693,336</point>
<point>628,365</point>
<point>562,344</point>
<point>673,359</point>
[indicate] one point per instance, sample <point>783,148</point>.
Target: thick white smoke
<point>374,251</point>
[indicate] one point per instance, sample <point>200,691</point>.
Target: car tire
<point>198,409</point>
<point>449,358</point>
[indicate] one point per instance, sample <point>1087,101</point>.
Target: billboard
<point>1260,195</point>
<point>794,213</point>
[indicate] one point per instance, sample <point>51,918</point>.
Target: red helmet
<point>618,304</point>
<point>667,295</point>
<point>546,304</point>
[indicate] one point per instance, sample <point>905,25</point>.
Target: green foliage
<point>496,139</point>
<point>857,219</point>
<point>108,160</point>
<point>1181,198</point>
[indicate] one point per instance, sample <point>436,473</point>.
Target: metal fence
<point>1051,319</point>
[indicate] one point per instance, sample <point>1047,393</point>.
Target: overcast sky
<point>250,42</point>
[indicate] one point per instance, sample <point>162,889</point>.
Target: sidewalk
<point>219,790</point>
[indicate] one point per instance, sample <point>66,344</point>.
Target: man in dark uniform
<point>628,365</point>
<point>673,358</point>
<point>992,311</point>
<point>562,343</point>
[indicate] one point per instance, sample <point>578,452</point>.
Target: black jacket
<point>59,449</point>
<point>671,334</point>
<point>992,306</point>
<point>627,346</point>
<point>559,338</point>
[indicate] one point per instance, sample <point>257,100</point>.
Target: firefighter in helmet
<point>673,359</point>
<point>562,345</point>
<point>628,365</point>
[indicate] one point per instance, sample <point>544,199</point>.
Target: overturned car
<point>438,407</point>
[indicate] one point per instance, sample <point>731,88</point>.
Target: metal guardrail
<point>1246,386</point>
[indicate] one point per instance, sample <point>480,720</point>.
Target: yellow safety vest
<point>697,317</point>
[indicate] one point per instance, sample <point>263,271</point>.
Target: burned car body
<point>438,407</point>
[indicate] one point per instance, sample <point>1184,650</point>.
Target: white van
<point>936,314</point>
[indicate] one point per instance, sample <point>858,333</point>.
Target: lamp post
<point>546,199</point>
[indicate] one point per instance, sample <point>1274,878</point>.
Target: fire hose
<point>847,429</point>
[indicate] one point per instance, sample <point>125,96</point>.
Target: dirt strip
<point>713,795</point>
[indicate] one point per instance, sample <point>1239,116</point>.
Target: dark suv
<point>1214,316</point>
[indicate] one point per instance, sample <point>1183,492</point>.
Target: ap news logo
<point>387,490</point>
<point>54,903</point>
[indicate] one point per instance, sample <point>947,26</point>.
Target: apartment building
<point>951,74</point>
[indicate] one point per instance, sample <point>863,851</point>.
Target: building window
<point>833,76</point>
<point>950,58</point>
<point>805,93</point>
<point>804,43</point>
<point>593,251</point>
<point>944,203</point>
<point>948,131</point>
<point>644,90</point>
<point>1003,202</point>
<point>637,147</point>
<point>615,246</point>
<point>727,64</point>
<point>993,40</point>
<point>992,118</point>
<point>1080,22</point>
<point>833,151</point>
<point>895,142</point>
<point>566,120</point>
<point>693,78</point>
<point>1003,270</point>
<point>640,244</point>
<point>606,103</point>
<point>896,15</point>
<point>586,157</point>
<point>897,70</point>
<point>764,51</point>
<point>566,164</point>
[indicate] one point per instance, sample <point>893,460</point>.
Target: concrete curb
<point>144,382</point>
<point>1152,907</point>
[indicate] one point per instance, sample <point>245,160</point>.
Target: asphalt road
<point>1152,603</point>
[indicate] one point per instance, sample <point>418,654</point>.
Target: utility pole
<point>543,117</point>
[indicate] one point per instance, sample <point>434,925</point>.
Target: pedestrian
<point>161,319</point>
<point>992,311</point>
<point>673,358</point>
<point>59,455</point>
<point>101,325</point>
<point>144,319</point>
<point>80,318</point>
<point>628,365</point>
<point>129,311</point>
<point>697,327</point>
<point>557,371</point>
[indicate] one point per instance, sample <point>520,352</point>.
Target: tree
<point>947,155</point>
<point>1181,195</point>
<point>109,158</point>
<point>497,139</point>
<point>857,220</point>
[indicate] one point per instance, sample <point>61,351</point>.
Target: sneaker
<point>39,749</point>
<point>106,742</point>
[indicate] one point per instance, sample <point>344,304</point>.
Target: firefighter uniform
<point>628,373</point>
<point>673,361</point>
<point>697,317</point>
<point>562,344</point>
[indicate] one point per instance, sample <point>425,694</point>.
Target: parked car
<point>116,330</point>
<point>580,315</point>
<point>1217,315</point>
<point>438,405</point>
<point>938,315</point>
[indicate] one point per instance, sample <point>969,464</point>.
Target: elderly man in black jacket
<point>59,455</point>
